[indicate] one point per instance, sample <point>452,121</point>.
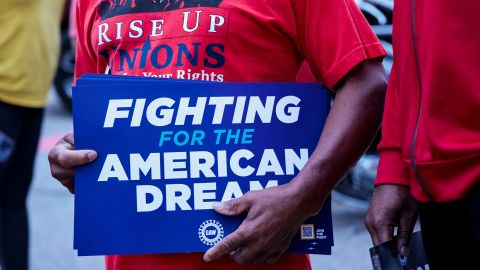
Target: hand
<point>392,206</point>
<point>273,217</point>
<point>63,160</point>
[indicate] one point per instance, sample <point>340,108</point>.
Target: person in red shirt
<point>430,147</point>
<point>242,41</point>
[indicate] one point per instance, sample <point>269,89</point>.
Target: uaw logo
<point>210,232</point>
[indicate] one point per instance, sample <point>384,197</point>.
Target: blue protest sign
<point>168,149</point>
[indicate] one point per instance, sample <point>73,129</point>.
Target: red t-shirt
<point>221,40</point>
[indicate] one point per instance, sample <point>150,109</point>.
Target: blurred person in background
<point>72,24</point>
<point>430,147</point>
<point>29,47</point>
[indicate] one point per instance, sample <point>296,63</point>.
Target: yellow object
<point>29,48</point>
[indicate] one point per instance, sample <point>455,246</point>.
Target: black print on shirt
<point>111,8</point>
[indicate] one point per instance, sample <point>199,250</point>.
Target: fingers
<point>63,159</point>
<point>245,255</point>
<point>267,258</point>
<point>267,230</point>
<point>274,258</point>
<point>404,232</point>
<point>381,216</point>
<point>63,154</point>
<point>380,232</point>
<point>260,259</point>
<point>69,138</point>
<point>69,184</point>
<point>233,245</point>
<point>66,158</point>
<point>370,219</point>
<point>233,207</point>
<point>384,233</point>
<point>391,206</point>
<point>369,223</point>
<point>65,177</point>
<point>228,245</point>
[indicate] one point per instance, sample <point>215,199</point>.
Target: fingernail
<point>218,205</point>
<point>207,258</point>
<point>92,155</point>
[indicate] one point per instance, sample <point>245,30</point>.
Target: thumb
<point>404,233</point>
<point>232,207</point>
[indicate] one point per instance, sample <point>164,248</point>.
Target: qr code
<point>307,232</point>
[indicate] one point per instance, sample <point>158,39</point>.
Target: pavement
<point>51,215</point>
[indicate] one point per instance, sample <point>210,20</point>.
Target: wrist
<point>311,187</point>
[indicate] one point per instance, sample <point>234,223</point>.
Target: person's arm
<point>63,160</point>
<point>274,214</point>
<point>85,56</point>
<point>391,204</point>
<point>62,157</point>
<point>340,47</point>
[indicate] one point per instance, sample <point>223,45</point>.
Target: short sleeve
<point>334,37</point>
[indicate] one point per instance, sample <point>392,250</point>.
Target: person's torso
<point>29,46</point>
<point>210,40</point>
<point>440,100</point>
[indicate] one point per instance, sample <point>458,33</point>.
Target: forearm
<point>351,125</point>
